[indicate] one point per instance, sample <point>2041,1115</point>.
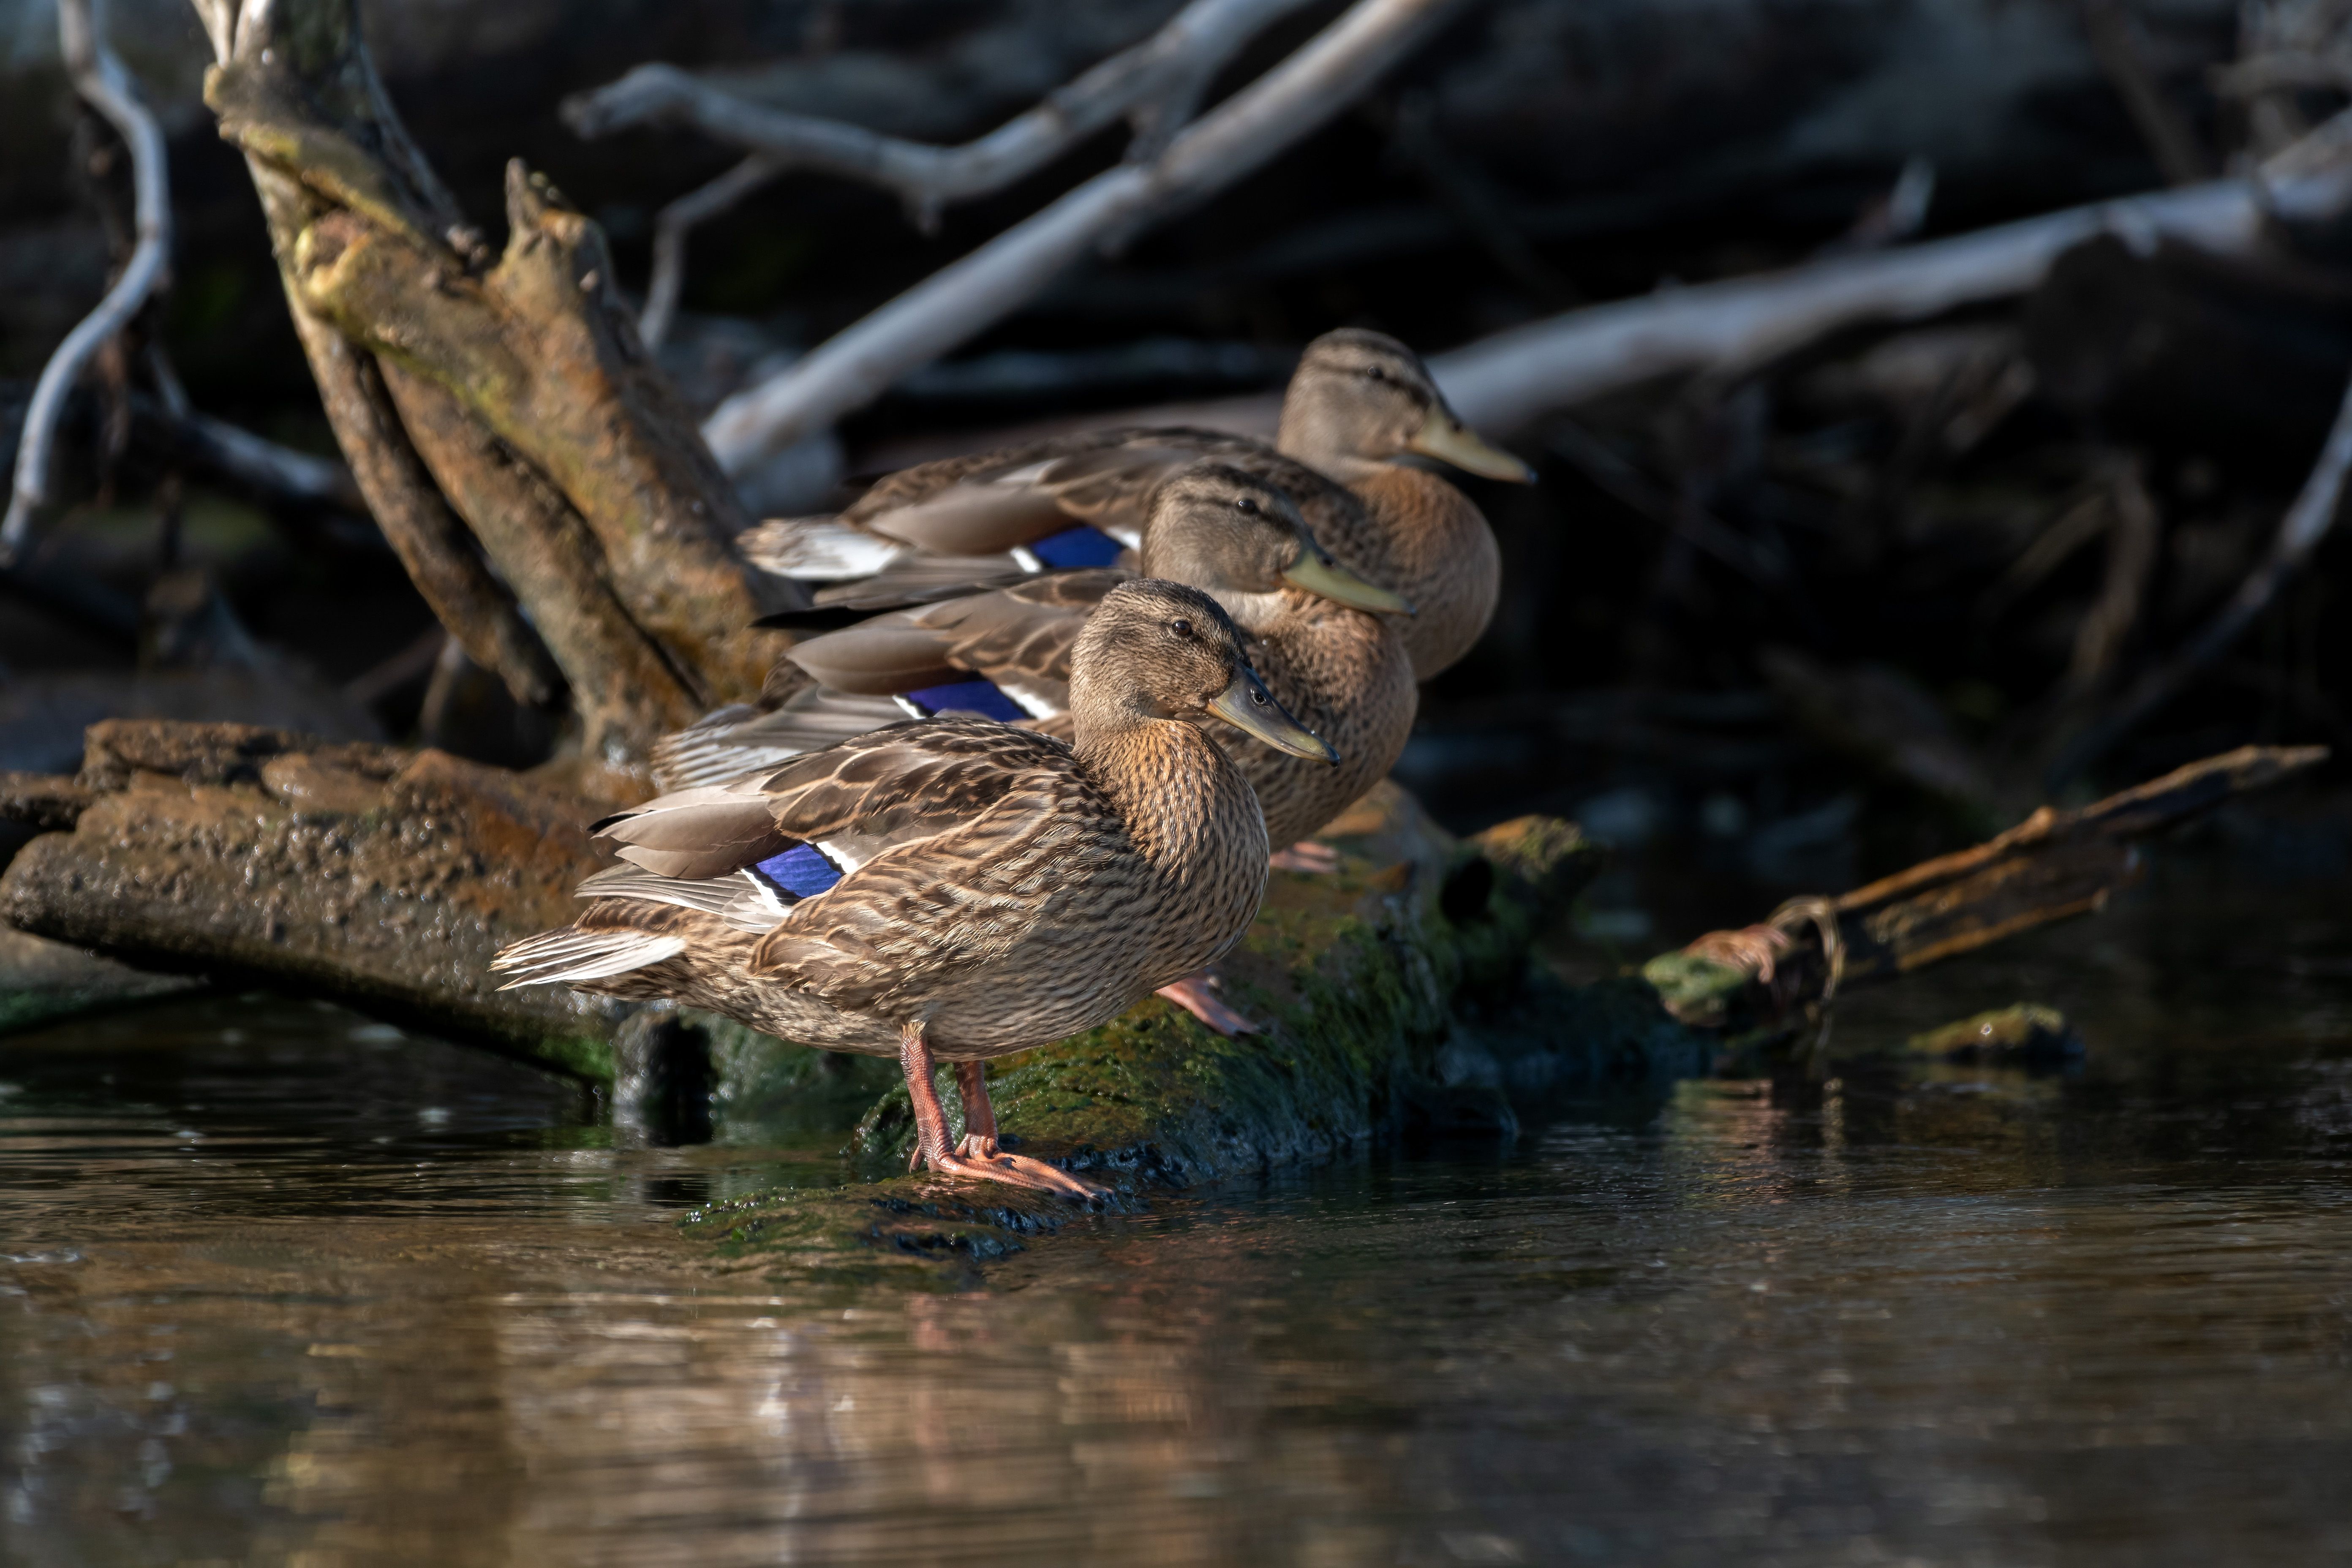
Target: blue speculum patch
<point>1075,547</point>
<point>801,871</point>
<point>980,697</point>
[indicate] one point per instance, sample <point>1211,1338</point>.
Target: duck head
<point>1156,651</point>
<point>1360,398</point>
<point>1241,541</point>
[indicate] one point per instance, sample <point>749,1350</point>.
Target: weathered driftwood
<point>382,877</point>
<point>2053,865</point>
<point>512,384</point>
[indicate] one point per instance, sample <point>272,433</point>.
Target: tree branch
<point>100,78</point>
<point>1173,64</point>
<point>1504,382</point>
<point>966,297</point>
<point>670,228</point>
<point>2307,522</point>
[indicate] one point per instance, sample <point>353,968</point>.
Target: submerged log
<point>2053,865</point>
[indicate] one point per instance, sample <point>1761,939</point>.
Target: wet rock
<point>661,1078</point>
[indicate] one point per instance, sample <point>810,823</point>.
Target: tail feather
<point>570,955</point>
<point>734,744</point>
<point>820,548</point>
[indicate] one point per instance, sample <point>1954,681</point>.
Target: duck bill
<point>1449,440</point>
<point>1336,583</point>
<point>1250,707</point>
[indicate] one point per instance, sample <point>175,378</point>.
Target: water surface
<point>280,1285</point>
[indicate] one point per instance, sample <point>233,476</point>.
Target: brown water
<point>277,1286</point>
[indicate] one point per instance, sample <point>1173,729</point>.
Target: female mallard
<point>1359,404</point>
<point>956,888</point>
<point>1005,654</point>
<point>1312,636</point>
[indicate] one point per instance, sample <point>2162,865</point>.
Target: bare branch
<point>2120,46</point>
<point>670,230</point>
<point>1173,65</point>
<point>1504,381</point>
<point>100,78</point>
<point>966,297</point>
<point>2307,522</point>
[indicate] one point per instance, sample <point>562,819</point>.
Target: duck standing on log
<point>1359,408</point>
<point>956,888</point>
<point>1321,637</point>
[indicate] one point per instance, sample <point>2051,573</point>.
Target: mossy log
<point>388,879</point>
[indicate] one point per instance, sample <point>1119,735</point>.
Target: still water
<point>280,1285</point>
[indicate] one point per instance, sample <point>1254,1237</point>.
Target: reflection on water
<point>277,1286</point>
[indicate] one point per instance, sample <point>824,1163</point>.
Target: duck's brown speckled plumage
<point>1359,401</point>
<point>1346,675</point>
<point>1072,894</point>
<point>1344,672</point>
<point>1439,551</point>
<point>1013,888</point>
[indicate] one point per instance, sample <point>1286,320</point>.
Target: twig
<point>2053,866</point>
<point>671,228</point>
<point>1504,382</point>
<point>1464,191</point>
<point>254,461</point>
<point>100,78</point>
<point>1174,64</point>
<point>1751,558</point>
<point>2120,47</point>
<point>2307,522</point>
<point>965,298</point>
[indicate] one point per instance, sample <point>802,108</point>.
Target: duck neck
<point>1178,795</point>
<point>1316,444</point>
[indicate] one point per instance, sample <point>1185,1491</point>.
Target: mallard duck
<point>1317,634</point>
<point>1312,632</point>
<point>956,888</point>
<point>1360,407</point>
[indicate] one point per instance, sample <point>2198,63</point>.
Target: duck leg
<point>977,1157</point>
<point>1306,855</point>
<point>1196,994</point>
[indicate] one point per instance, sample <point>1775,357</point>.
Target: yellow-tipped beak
<point>1249,707</point>
<point>1449,440</point>
<point>1320,574</point>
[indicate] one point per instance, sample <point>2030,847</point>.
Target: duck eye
<point>1181,626</point>
<point>1249,504</point>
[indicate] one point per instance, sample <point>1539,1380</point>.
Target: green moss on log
<point>1419,944</point>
